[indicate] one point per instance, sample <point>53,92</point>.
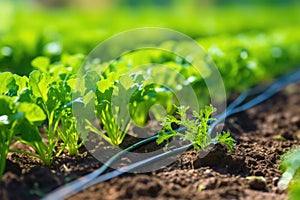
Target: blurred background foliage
<point>226,29</point>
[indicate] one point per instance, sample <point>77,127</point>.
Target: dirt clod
<point>257,184</point>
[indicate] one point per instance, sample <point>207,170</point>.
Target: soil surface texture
<point>262,135</point>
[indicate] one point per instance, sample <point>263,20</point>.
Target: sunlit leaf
<point>33,113</point>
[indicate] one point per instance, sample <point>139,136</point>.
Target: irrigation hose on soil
<point>260,95</point>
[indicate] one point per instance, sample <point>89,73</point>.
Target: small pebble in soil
<point>257,183</point>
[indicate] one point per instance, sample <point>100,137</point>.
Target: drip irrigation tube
<point>274,88</point>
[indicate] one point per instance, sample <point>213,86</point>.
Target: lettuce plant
<point>124,100</point>
<point>113,99</point>
<point>19,121</point>
<point>55,97</point>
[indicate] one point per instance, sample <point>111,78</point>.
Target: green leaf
<point>163,136</point>
<point>85,107</point>
<point>91,78</point>
<point>8,84</point>
<point>12,88</point>
<point>12,84</point>
<point>89,106</point>
<point>126,82</point>
<point>89,97</point>
<point>5,105</point>
<point>54,97</point>
<point>29,132</point>
<point>41,63</point>
<point>59,94</point>
<point>39,84</point>
<point>25,96</point>
<point>5,79</point>
<point>104,85</point>
<point>32,112</point>
<point>72,82</point>
<point>21,82</point>
<point>226,139</point>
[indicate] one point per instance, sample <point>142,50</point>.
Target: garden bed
<point>262,134</point>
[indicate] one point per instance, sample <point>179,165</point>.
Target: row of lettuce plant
<point>51,86</point>
<point>33,111</point>
<point>21,42</point>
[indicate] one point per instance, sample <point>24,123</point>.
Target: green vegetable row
<point>44,109</point>
<point>246,59</point>
<point>33,112</point>
<point>39,107</point>
<point>55,32</point>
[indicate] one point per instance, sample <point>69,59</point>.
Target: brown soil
<point>263,133</point>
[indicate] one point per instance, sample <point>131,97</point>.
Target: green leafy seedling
<point>18,121</point>
<point>112,97</point>
<point>196,129</point>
